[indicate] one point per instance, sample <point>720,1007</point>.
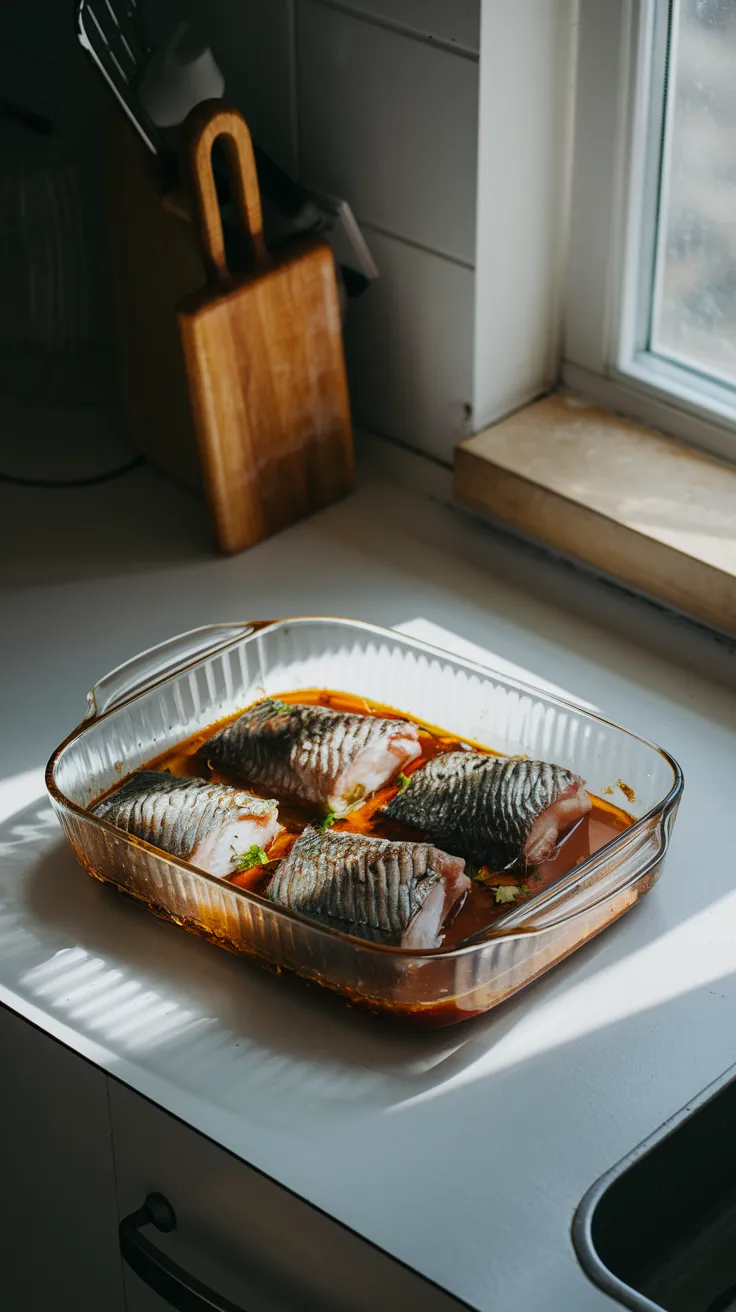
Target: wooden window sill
<point>644,509</point>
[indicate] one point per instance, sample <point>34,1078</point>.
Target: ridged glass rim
<point>501,929</point>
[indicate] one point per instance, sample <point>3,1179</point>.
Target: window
<point>693,305</point>
<point>651,322</point>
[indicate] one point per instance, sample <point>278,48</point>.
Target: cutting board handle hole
<point>221,172</point>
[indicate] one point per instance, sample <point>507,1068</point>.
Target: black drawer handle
<point>172,1282</point>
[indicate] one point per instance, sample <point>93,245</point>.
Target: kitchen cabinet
<point>58,1211</point>
<point>243,1235</point>
<point>80,1152</point>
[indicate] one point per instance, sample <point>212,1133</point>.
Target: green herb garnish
<point>280,706</point>
<point>482,874</point>
<point>506,892</point>
<point>524,889</point>
<point>329,820</point>
<point>255,856</point>
<point>403,781</point>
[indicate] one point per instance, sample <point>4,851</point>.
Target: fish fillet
<point>493,810</point>
<point>395,893</point>
<point>312,752</point>
<point>206,823</point>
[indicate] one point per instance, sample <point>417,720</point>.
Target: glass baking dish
<point>176,689</point>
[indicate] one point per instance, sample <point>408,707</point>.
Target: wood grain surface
<point>640,507</point>
<point>264,355</point>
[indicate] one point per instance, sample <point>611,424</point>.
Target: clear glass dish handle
<point>564,903</point>
<point>583,906</point>
<point>166,658</point>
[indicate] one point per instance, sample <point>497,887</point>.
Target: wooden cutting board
<point>263,353</point>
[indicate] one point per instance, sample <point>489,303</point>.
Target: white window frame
<point>620,74</point>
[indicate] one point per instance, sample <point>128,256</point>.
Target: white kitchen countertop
<point>463,1152</point>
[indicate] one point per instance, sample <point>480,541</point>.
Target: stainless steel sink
<point>658,1231</point>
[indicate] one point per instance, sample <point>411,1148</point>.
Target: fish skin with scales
<point>391,892</point>
<point>332,758</point>
<point>493,810</point>
<point>197,820</point>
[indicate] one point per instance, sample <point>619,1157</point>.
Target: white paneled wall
<point>377,101</point>
<point>391,123</point>
<point>254,44</point>
<point>454,22</point>
<point>410,347</point>
<point>527,65</point>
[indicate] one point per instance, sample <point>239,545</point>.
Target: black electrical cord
<point>17,481</point>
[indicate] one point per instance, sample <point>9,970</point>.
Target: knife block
<point>154,263</point>
<point>303,440</point>
<point>262,343</point>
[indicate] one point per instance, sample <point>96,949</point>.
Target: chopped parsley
<point>508,892</point>
<point>505,892</point>
<point>483,874</point>
<point>279,705</point>
<point>255,856</point>
<point>501,892</point>
<point>403,781</point>
<point>329,820</point>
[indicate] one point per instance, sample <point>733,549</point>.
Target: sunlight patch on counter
<point>427,631</point>
<point>19,789</point>
<point>85,989</point>
<point>692,955</point>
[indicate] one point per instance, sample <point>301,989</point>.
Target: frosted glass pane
<point>694,313</point>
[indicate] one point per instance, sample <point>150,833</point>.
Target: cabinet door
<point>241,1234</point>
<point>58,1215</point>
